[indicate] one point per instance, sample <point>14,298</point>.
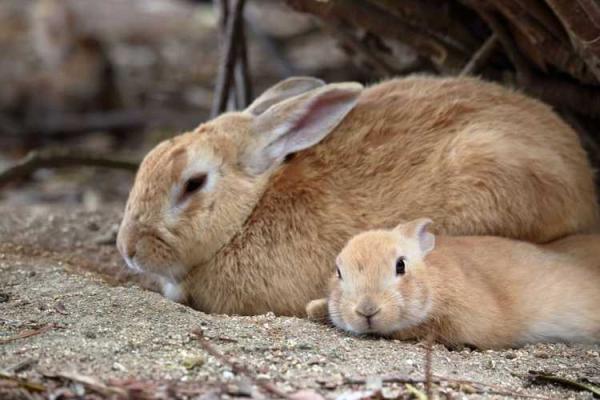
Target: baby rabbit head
<point>193,192</point>
<point>377,287</point>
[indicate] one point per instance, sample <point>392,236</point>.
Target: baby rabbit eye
<point>400,266</point>
<point>339,273</point>
<point>194,183</point>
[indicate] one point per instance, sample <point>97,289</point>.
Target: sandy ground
<point>104,335</point>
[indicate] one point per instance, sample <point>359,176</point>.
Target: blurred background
<point>117,76</point>
<point>87,79</point>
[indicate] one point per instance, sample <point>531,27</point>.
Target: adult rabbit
<point>246,213</point>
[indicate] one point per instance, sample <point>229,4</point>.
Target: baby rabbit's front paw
<point>317,311</point>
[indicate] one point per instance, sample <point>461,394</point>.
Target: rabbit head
<point>378,288</point>
<point>193,192</point>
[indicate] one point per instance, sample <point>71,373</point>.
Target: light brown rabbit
<point>246,213</point>
<point>484,291</point>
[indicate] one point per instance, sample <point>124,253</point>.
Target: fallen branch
<point>237,367</point>
<point>58,158</point>
<point>28,333</point>
<point>479,386</point>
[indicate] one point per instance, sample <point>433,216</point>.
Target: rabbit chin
<point>171,272</point>
<point>380,325</point>
<point>172,290</point>
<point>377,327</point>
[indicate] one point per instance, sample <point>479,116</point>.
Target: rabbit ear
<point>283,90</point>
<point>418,230</point>
<point>298,123</point>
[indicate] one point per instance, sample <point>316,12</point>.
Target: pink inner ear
<point>317,119</point>
<point>426,239</point>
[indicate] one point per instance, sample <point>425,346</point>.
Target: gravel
<point>104,323</point>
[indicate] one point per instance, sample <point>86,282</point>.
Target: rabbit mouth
<point>173,271</point>
<point>133,265</point>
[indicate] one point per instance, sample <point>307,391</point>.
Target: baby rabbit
<point>238,215</point>
<point>483,291</point>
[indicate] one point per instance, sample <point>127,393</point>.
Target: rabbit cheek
<point>390,317</point>
<point>155,256</point>
<point>413,306</point>
<point>336,313</point>
<point>341,311</point>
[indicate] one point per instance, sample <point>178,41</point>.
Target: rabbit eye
<point>339,273</point>
<point>400,266</point>
<point>194,183</point>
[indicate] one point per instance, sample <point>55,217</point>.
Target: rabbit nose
<point>367,308</point>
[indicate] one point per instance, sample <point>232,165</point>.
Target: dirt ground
<point>98,332</point>
<point>75,324</point>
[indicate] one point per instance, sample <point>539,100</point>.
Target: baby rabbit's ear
<point>418,230</point>
<point>283,90</point>
<point>298,123</point>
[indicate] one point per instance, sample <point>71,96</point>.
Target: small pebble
<point>194,362</point>
<point>93,226</point>
<point>90,334</point>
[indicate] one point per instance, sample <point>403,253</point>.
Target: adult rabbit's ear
<point>282,91</point>
<point>418,230</point>
<point>298,123</point>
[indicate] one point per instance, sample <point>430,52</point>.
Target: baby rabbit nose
<point>367,308</point>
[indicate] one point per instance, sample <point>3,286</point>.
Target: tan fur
<point>476,157</point>
<point>483,291</point>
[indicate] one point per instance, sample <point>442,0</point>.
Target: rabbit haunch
<point>484,291</point>
<point>279,188</point>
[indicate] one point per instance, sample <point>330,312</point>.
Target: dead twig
<point>21,382</point>
<point>227,63</point>
<point>428,365</point>
<point>479,386</point>
<point>57,158</point>
<point>22,365</point>
<point>92,383</point>
<point>243,83</point>
<point>544,378</point>
<point>28,333</point>
<point>481,56</point>
<point>237,367</point>
<point>510,48</point>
